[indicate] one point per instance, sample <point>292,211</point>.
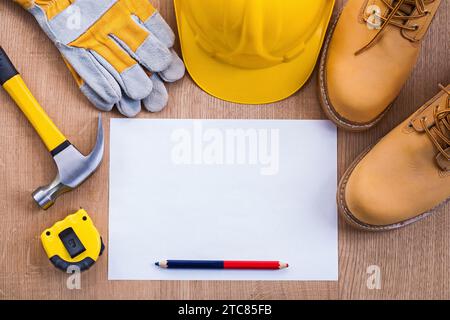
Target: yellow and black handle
<point>13,83</point>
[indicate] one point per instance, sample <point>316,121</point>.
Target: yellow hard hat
<point>252,51</point>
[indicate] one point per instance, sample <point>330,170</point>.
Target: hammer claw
<point>73,169</point>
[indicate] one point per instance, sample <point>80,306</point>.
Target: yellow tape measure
<point>74,241</point>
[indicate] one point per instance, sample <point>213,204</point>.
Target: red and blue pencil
<point>221,264</point>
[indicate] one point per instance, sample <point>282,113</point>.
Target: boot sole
<point>324,99</point>
<point>352,220</point>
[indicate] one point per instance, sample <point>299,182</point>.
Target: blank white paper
<point>223,190</point>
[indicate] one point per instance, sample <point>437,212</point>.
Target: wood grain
<point>415,261</point>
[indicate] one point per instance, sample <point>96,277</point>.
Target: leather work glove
<point>128,107</point>
<point>119,51</point>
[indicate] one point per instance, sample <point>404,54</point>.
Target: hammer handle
<point>13,83</point>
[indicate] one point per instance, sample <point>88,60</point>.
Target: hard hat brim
<point>249,86</point>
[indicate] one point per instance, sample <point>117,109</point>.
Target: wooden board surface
<point>414,262</point>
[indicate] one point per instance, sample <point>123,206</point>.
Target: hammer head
<point>73,169</point>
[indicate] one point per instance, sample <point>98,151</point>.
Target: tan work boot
<point>406,176</point>
<point>369,56</point>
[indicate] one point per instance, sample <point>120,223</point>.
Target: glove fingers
<point>133,80</point>
<point>175,71</point>
<point>129,107</point>
<point>92,73</point>
<point>159,97</point>
<point>154,55</point>
<point>95,99</point>
<point>160,29</point>
<point>90,94</point>
<point>143,46</point>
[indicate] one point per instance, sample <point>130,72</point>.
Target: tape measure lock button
<point>71,242</point>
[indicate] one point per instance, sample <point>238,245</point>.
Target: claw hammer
<point>73,168</point>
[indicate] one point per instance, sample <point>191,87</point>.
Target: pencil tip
<point>157,264</point>
<point>284,265</point>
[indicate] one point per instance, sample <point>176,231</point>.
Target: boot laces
<point>441,130</point>
<point>399,12</point>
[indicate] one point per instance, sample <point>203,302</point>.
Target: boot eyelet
<point>415,27</point>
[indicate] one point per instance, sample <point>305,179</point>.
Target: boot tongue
<point>406,9</point>
<point>439,131</point>
<point>442,161</point>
